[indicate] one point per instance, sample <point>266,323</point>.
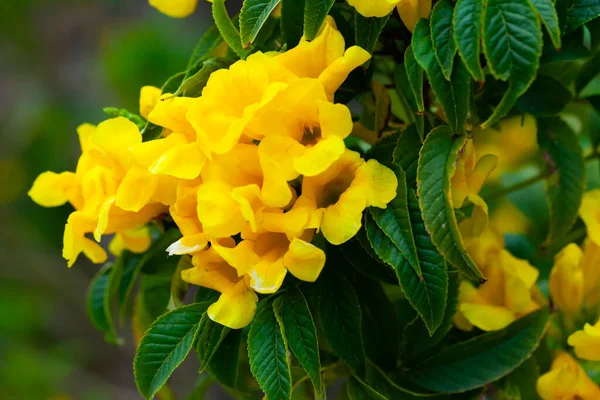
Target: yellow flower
<point>110,192</point>
<point>175,8</point>
<point>566,380</point>
<point>149,97</point>
<point>237,304</point>
<point>587,342</point>
<point>589,211</point>
<point>410,10</point>
<point>567,282</point>
<point>138,240</point>
<point>345,190</point>
<point>507,294</point>
<point>591,273</point>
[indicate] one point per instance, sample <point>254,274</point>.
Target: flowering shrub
<point>334,191</point>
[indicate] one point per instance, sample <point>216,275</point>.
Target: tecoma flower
<point>175,8</point>
<point>410,10</point>
<point>566,380</point>
<point>587,342</point>
<point>149,97</point>
<point>589,211</point>
<point>567,280</point>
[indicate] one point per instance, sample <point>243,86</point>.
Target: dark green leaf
<point>292,21</point>
<point>379,381</point>
<point>128,267</point>
<point>407,152</point>
<point>267,351</point>
<point>547,12</point>
<point>206,45</point>
<point>121,112</point>
<point>315,12</point>
<point>164,346</point>
<point>210,337</point>
<point>99,297</point>
<point>522,381</point>
<point>156,295</point>
<point>414,73</point>
<point>546,96</point>
<point>405,92</point>
<point>358,390</point>
<point>588,71</point>
<point>206,294</point>
<point>581,12</point>
<point>156,260</point>
<point>442,36</point>
<point>197,77</point>
<point>467,33</point>
<point>224,363</point>
<point>512,43</point>
<point>301,334</point>
<point>566,184</point>
<point>179,287</point>
<point>437,163</point>
<point>252,18</point>
<point>340,317</point>
<point>481,360</point>
<point>228,29</point>
<point>383,107</point>
<point>383,150</point>
<point>364,259</point>
<point>367,31</point>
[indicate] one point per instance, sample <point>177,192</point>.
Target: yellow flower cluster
<point>410,10</point>
<point>249,171</point>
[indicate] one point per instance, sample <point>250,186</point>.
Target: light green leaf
<point>546,11</point>
<point>98,301</point>
<point>252,18</point>
<point>210,337</point>
<point>367,31</point>
<point>206,45</point>
<point>340,317</point>
<point>228,29</point>
<point>121,112</point>
<point>546,96</point>
<point>512,43</point>
<point>414,72</point>
<point>437,162</point>
<point>301,335</point>
<point>292,21</point>
<point>454,95</point>
<point>581,12</point>
<point>267,351</point>
<point>467,33</point>
<point>394,221</point>
<point>164,346</point>
<point>488,357</point>
<point>315,12</point>
<point>566,184</point>
<point>442,36</point>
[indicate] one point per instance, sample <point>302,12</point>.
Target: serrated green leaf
<point>206,45</point>
<point>228,30</point>
<point>414,73</point>
<point>566,184</point>
<point>406,154</point>
<point>156,295</point>
<point>301,334</point>
<point>196,78</point>
<point>546,96</point>
<point>121,112</point>
<point>292,21</point>
<point>545,9</point>
<point>252,18</point>
<point>581,12</point>
<point>224,363</point>
<point>267,351</point>
<point>365,261</point>
<point>405,93</point>
<point>454,95</point>
<point>394,221</point>
<point>437,162</point>
<point>442,36</point>
<point>156,260</point>
<point>522,381</point>
<point>340,317</point>
<point>315,13</point>
<point>210,337</point>
<point>512,43</point>
<point>467,23</point>
<point>98,301</point>
<point>379,381</point>
<point>164,346</point>
<point>460,367</point>
<point>367,31</point>
<point>383,150</point>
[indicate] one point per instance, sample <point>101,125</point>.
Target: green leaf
<point>407,98</point>
<point>522,381</point>
<point>383,150</point>
<point>512,43</point>
<point>476,362</point>
<point>546,96</point>
<point>252,18</point>
<point>121,112</point>
<point>315,13</point>
<point>206,294</point>
<point>206,45</point>
<point>156,260</point>
<point>179,287</point>
<point>588,71</point>
<point>581,12</point>
<point>380,382</point>
<point>210,337</point>
<point>224,363</point>
<point>340,317</point>
<point>437,162</point>
<point>566,184</point>
<point>407,152</point>
<point>301,335</point>
<point>394,221</point>
<point>267,351</point>
<point>228,29</point>
<point>383,107</point>
<point>156,295</point>
<point>358,390</point>
<point>383,246</point>
<point>546,11</point>
<point>126,271</point>
<point>442,36</point>
<point>414,72</point>
<point>454,95</point>
<point>467,33</point>
<point>197,77</point>
<point>292,20</point>
<point>367,31</point>
<point>164,346</point>
<point>360,255</point>
<point>98,301</point>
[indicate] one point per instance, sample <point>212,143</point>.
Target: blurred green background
<point>61,62</point>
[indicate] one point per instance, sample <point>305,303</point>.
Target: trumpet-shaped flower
<point>587,342</point>
<point>589,211</point>
<point>567,281</point>
<point>410,10</point>
<point>175,8</point>
<point>110,192</point>
<point>149,97</point>
<point>566,380</point>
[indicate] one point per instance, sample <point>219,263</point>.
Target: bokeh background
<point>61,62</point>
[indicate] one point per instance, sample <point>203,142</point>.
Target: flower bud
<point>566,279</point>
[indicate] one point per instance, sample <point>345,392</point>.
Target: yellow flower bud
<point>149,96</point>
<point>587,342</point>
<point>567,280</point>
<point>175,8</point>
